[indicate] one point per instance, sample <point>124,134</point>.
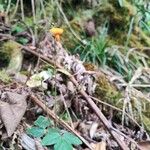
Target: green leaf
<point>121,3</point>
<point>23,40</point>
<point>72,139</point>
<point>51,138</point>
<point>42,122</point>
<point>36,131</point>
<point>63,145</point>
<point>53,130</point>
<point>17,29</point>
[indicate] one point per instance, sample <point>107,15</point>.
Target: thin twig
<point>43,9</point>
<point>31,32</point>
<point>16,8</point>
<point>57,119</point>
<point>136,85</point>
<point>33,11</point>
<point>115,108</point>
<point>66,108</point>
<point>22,10</point>
<point>34,18</point>
<point>67,22</point>
<point>7,36</point>
<point>8,7</point>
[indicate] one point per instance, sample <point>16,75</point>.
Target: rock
<point>90,28</point>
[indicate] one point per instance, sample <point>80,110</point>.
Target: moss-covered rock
<point>106,91</point>
<point>11,56</point>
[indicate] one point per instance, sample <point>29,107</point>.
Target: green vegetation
<point>112,40</point>
<point>62,140</point>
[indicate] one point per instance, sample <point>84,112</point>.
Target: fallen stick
<point>6,36</point>
<point>57,119</point>
<point>94,107</point>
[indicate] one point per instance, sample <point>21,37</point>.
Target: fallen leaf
<point>145,145</point>
<point>90,28</point>
<point>27,142</point>
<point>38,79</point>
<point>100,146</point>
<point>32,47</point>
<point>70,86</point>
<point>12,111</point>
<point>93,129</point>
<point>38,145</point>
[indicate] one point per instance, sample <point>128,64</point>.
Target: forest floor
<point>95,97</point>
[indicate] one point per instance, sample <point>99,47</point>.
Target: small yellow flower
<point>57,32</point>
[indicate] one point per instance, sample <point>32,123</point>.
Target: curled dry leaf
<point>32,47</point>
<point>38,79</point>
<point>90,28</point>
<point>71,87</point>
<point>72,64</point>
<point>145,145</point>
<point>38,145</point>
<point>93,129</point>
<point>12,111</point>
<point>27,142</point>
<point>100,146</point>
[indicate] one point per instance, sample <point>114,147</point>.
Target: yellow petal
<point>56,31</point>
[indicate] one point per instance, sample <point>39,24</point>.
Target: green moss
<point>119,19</point>
<point>107,91</point>
<point>146,122</point>
<point>4,77</point>
<point>11,56</point>
<point>67,37</point>
<point>4,59</point>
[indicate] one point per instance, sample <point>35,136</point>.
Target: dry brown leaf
<point>70,86</point>
<point>11,112</point>
<point>145,145</point>
<point>27,142</point>
<point>93,129</point>
<point>38,145</point>
<point>90,28</point>
<point>100,146</point>
<point>32,47</point>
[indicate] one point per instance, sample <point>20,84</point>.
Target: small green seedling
<point>62,140</point>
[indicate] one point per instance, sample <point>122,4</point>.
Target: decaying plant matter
<point>74,86</point>
<point>105,106</point>
<point>81,80</point>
